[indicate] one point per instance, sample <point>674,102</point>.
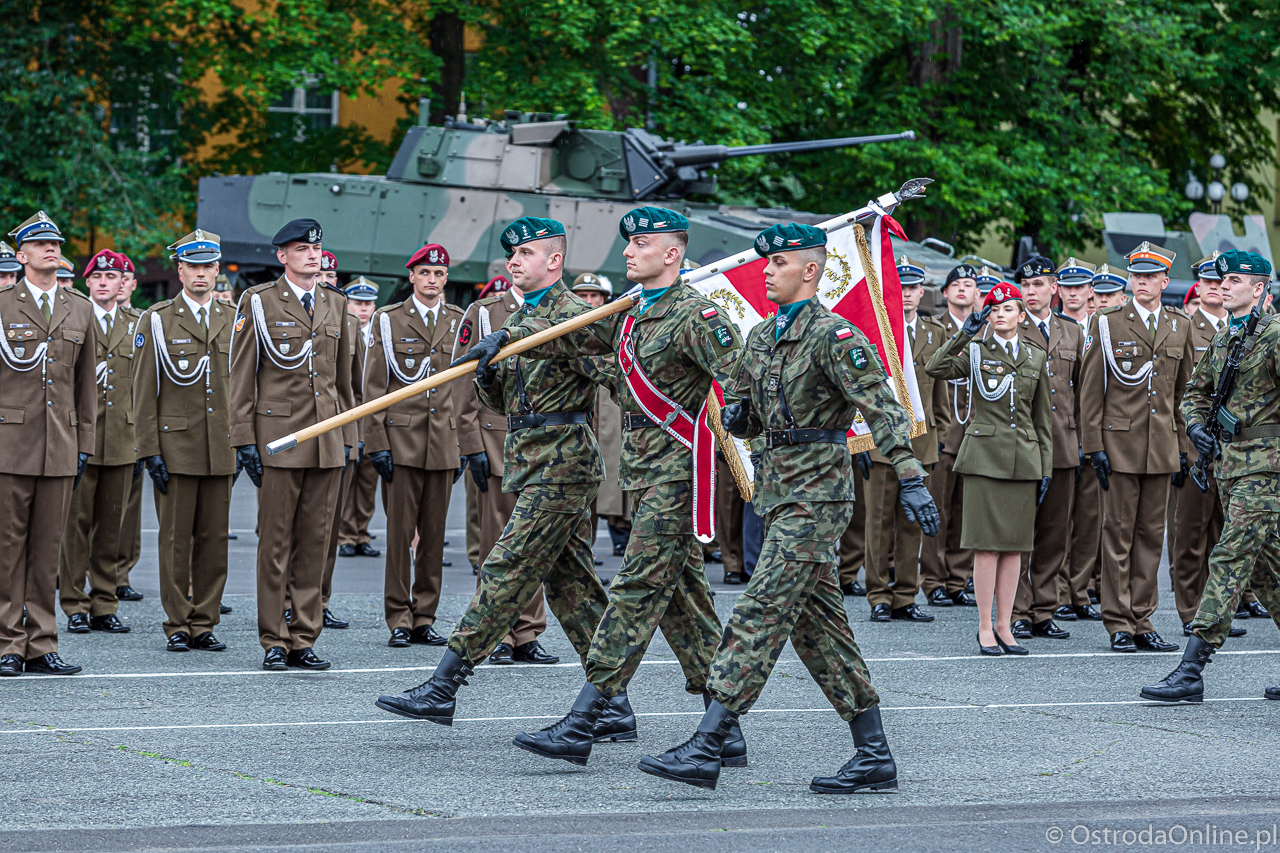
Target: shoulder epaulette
<point>77,293</point>
<point>336,290</point>
<point>1175,309</point>
<point>258,288</point>
<point>7,287</point>
<point>1110,309</point>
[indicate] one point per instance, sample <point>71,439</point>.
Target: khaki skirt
<point>999,515</point>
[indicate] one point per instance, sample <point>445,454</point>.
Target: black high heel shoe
<point>994,651</point>
<point>1011,648</point>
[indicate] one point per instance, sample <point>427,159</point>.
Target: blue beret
<point>298,231</point>
<point>651,220</point>
<point>1032,267</point>
<point>791,237</point>
<point>1249,263</point>
<point>526,229</point>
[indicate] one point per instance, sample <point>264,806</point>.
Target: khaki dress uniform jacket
<point>354,434</point>
<point>131,528</point>
<point>360,498</point>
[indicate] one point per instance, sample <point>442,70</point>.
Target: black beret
<point>962,271</point>
<point>298,231</point>
<point>1036,265</point>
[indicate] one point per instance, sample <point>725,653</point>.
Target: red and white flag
<point>844,289</point>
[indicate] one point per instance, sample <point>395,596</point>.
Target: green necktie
<point>200,318</point>
<point>911,333</point>
<point>106,318</point>
<point>431,324</point>
<point>44,308</point>
<point>1008,345</point>
<point>1151,326</point>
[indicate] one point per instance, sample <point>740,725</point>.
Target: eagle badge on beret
<point>103,262</point>
<point>762,243</point>
<point>629,223</point>
<point>313,236</point>
<point>511,235</point>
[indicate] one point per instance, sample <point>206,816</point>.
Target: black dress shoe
<point>1236,631</point>
<point>364,549</point>
<point>288,616</point>
<point>1257,611</point>
<point>963,599</point>
<point>399,638</point>
<point>224,609</point>
<point>910,613</point>
<point>597,561</point>
<point>697,760</point>
<point>1122,641</point>
<point>109,624</point>
<point>276,659</point>
<point>475,568</point>
<point>991,651</point>
<point>306,659</point>
<point>78,623</point>
<point>881,613</point>
<point>1153,642</point>
<point>1087,611</point>
<point>179,641</point>
<point>619,550</point>
<point>968,585</point>
<point>533,652</point>
<point>1272,693</point>
<point>617,723</point>
<point>331,621</point>
<point>448,564</point>
<point>1048,629</point>
<point>347,550</point>
<point>1066,613</point>
<point>1093,596</point>
<point>127,593</point>
<point>10,665</point>
<point>1242,610</point>
<point>871,768</point>
<point>206,642</point>
<point>1011,648</point>
<point>232,536</point>
<point>501,655</point>
<point>855,589</point>
<point>734,578</point>
<point>571,737</point>
<point>939,598</point>
<point>427,636</point>
<point>1021,629</point>
<point>51,664</point>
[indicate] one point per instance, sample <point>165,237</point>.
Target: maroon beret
<point>105,260</point>
<point>430,255</point>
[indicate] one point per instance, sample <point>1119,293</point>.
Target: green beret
<point>789,238</point>
<point>526,229</point>
<point>651,220</point>
<point>1249,263</point>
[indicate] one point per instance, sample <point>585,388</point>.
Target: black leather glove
<point>1102,467</point>
<point>81,463</point>
<point>250,461</point>
<point>917,504</point>
<point>864,464</point>
<point>736,419</point>
<point>1179,477</point>
<point>137,470</point>
<point>159,473</point>
<point>1080,465</point>
<point>973,323</point>
<point>359,452</point>
<point>1203,440</point>
<point>462,467</point>
<point>381,462</point>
<point>484,350</point>
<point>940,446</point>
<point>479,465</point>
<point>1044,490</point>
<point>346,457</point>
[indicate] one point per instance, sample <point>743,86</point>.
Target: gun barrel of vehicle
<point>699,155</point>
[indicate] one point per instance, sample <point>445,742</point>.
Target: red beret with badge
<point>328,262</point>
<point>1193,292</point>
<point>497,284</point>
<point>1002,292</point>
<point>430,255</point>
<point>105,260</point>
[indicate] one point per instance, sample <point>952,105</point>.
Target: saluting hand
<point>973,324</point>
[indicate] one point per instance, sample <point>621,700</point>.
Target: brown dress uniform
<point>353,435</point>
<point>277,390</point>
<point>359,500</point>
<point>91,540</point>
<point>131,528</point>
<point>481,428</point>
<point>181,402</point>
<point>1037,596</point>
<point>943,563</point>
<point>1139,426</point>
<point>422,435</point>
<point>1197,518</point>
<point>1084,548</point>
<point>47,416</point>
<point>889,536</point>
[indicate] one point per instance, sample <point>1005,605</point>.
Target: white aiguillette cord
<point>1142,374</point>
<point>282,361</point>
<point>22,365</point>
<point>389,356</point>
<point>163,362</point>
<point>975,369</point>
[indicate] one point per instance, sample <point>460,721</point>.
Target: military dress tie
<point>106,324</point>
<point>306,303</point>
<point>1008,345</point>
<point>44,308</point>
<point>431,325</point>
<point>1044,329</point>
<point>1151,326</point>
<point>200,318</point>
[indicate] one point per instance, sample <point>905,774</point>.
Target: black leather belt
<point>783,437</point>
<point>637,420</point>
<point>518,422</point>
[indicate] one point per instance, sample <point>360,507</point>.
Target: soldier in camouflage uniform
<point>798,386</point>
<point>678,341</point>
<point>551,460</point>
<point>1248,554</point>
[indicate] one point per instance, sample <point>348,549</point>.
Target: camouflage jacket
<point>825,370</point>
<point>1256,400</point>
<point>682,344</point>
<point>547,454</point>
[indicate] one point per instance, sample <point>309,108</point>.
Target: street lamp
<point>1216,191</point>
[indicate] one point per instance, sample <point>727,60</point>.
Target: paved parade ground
<point>160,751</point>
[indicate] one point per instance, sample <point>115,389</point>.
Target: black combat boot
<point>433,699</point>
<point>1186,683</point>
<point>871,768</point>
<point>571,738</point>
<point>617,723</point>
<point>697,761</point>
<point>735,745</point>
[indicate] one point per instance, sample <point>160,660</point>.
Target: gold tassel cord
<point>730,450</point>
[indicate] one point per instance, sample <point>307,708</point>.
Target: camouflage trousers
<point>546,542</point>
<point>1247,555</point>
<point>794,594</point>
<point>662,584</point>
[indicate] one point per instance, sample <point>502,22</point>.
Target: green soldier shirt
<point>681,343</point>
<point>826,370</point>
<point>547,454</point>
<point>1256,400</point>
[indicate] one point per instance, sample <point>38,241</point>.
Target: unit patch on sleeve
<point>859,356</point>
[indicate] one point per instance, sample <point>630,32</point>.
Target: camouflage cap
<point>1207,267</point>
<point>791,237</point>
<point>526,229</point>
<point>1248,263</point>
<point>9,259</point>
<point>651,220</point>
<point>1033,267</point>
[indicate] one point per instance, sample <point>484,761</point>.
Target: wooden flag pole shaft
<point>448,375</point>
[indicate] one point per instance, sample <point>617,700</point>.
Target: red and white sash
<point>675,421</point>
